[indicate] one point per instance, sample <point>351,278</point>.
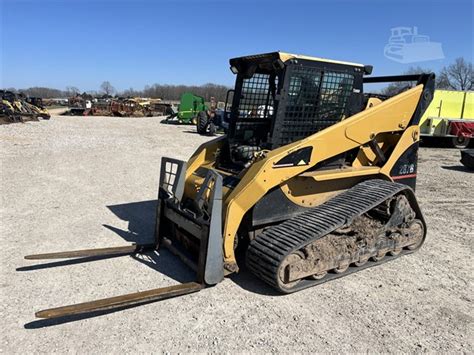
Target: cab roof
<point>284,57</point>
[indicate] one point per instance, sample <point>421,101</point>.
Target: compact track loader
<point>314,180</point>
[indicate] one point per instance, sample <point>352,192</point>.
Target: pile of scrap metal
<point>55,102</point>
<point>87,105</point>
<point>80,105</point>
<point>19,108</point>
<point>139,107</point>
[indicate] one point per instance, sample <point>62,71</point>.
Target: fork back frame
<point>207,227</point>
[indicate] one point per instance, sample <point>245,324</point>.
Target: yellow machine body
<point>313,180</point>
<point>387,120</point>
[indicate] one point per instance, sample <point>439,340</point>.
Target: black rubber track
<point>268,250</point>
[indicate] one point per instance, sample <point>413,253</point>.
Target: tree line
<point>173,92</point>
<point>163,91</point>
<point>456,76</point>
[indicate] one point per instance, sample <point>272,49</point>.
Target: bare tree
<point>397,87</point>
<point>107,88</point>
<point>72,91</point>
<point>457,76</point>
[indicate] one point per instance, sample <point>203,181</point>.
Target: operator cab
<point>280,98</point>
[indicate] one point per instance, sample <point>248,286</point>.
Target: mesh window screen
<point>256,100</point>
<point>316,100</point>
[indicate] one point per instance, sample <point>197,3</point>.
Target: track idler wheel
<point>417,230</point>
<point>362,261</point>
<point>343,266</point>
<point>282,270</point>
<point>397,250</point>
<point>318,276</point>
<point>380,255</point>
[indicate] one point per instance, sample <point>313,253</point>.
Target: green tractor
<point>189,107</point>
<point>192,109</point>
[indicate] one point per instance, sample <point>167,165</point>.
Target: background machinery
<point>309,184</point>
<point>193,109</point>
<point>189,107</point>
<point>19,108</point>
<point>450,116</point>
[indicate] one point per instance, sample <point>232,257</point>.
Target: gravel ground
<point>75,182</point>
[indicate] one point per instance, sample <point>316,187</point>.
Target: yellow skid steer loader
<point>314,180</point>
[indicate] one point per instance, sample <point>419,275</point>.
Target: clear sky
<point>59,43</point>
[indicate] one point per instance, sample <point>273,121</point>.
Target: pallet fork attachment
<point>207,228</point>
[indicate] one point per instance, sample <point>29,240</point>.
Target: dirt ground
<point>75,182</point>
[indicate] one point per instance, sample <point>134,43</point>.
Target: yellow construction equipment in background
<point>19,108</point>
